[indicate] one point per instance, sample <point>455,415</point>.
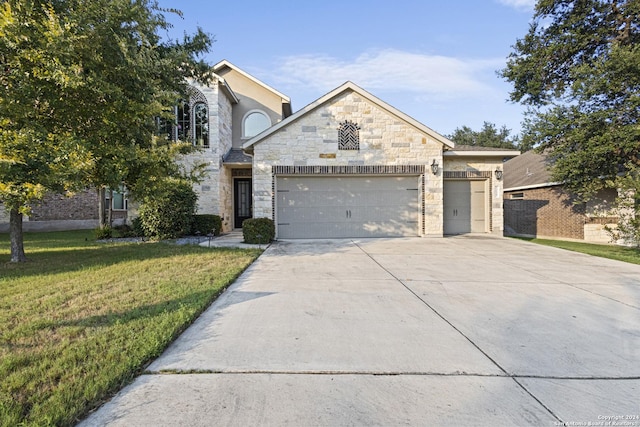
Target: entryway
<point>242,201</point>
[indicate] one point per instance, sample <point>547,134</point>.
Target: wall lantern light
<point>498,173</point>
<point>434,167</point>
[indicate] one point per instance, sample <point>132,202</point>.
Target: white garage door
<point>340,207</point>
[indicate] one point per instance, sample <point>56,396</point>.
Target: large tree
<point>488,136</point>
<point>578,69</point>
<point>37,151</point>
<point>80,86</point>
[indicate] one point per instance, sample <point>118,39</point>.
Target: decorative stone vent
<point>348,136</point>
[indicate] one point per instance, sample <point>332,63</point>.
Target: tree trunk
<point>110,211</point>
<point>17,239</point>
<point>101,219</point>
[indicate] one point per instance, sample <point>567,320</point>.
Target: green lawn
<point>81,319</point>
<point>620,253</point>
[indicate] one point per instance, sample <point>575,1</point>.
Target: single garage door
<point>342,207</point>
<point>465,206</point>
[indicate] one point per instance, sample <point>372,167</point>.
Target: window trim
<point>244,120</point>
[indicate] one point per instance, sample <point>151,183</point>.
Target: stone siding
<point>208,189</point>
<point>312,141</point>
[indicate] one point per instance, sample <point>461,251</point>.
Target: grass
<point>82,319</point>
<point>620,253</point>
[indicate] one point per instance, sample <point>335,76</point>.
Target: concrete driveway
<point>472,330</point>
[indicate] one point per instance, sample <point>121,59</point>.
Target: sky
<point>435,60</point>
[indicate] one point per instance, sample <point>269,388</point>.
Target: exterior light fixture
<point>434,167</point>
<point>498,173</point>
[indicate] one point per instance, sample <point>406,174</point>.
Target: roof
<point>236,156</point>
<point>349,86</point>
<point>477,151</point>
<point>530,170</point>
<point>224,63</point>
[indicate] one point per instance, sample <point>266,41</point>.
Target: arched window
<point>191,121</point>
<point>184,121</point>
<point>201,125</point>
<point>254,122</point>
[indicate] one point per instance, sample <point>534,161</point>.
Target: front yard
<point>619,253</point>
<point>81,319</point>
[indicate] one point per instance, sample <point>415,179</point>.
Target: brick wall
<point>83,205</point>
<point>543,212</point>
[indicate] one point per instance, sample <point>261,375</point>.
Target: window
<point>190,121</point>
<point>254,122</point>
<point>516,196</point>
<point>184,122</point>
<point>201,125</point>
<point>119,202</point>
<point>348,136</point>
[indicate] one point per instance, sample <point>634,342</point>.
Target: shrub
<point>124,230</point>
<point>258,230</point>
<point>204,224</point>
<point>169,213</point>
<point>136,227</point>
<point>104,232</point>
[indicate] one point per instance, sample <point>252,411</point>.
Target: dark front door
<point>242,205</point>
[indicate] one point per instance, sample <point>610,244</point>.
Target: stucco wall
<point>252,96</point>
<point>312,141</point>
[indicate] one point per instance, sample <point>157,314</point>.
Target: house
<point>536,206</point>
<point>346,165</point>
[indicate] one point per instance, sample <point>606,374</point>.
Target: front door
<point>242,205</point>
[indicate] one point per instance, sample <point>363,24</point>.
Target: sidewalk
<point>234,239</point>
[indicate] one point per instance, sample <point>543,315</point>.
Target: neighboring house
<point>346,165</point>
<point>535,206</point>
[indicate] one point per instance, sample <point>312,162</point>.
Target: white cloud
<point>519,4</point>
<point>392,70</point>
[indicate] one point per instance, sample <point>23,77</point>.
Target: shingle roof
<point>235,155</point>
<point>527,170</point>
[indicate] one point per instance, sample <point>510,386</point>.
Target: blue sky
<point>434,60</point>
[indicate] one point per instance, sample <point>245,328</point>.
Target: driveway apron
<point>470,330</point>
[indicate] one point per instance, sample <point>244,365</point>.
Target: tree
<point>578,69</point>
<point>37,152</point>
<point>488,136</point>
<point>84,81</point>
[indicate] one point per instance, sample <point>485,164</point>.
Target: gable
<point>312,138</point>
<point>358,106</point>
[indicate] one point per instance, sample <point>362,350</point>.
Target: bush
<point>136,227</point>
<point>258,230</point>
<point>204,224</point>
<point>168,214</point>
<point>103,233</point>
<point>125,230</point>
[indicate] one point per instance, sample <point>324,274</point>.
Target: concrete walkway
<point>473,330</point>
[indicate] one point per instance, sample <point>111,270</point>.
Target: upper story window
<point>201,125</point>
<point>254,122</point>
<point>190,121</point>
<point>348,136</point>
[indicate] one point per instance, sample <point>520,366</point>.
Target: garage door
<point>464,207</point>
<point>341,207</point>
